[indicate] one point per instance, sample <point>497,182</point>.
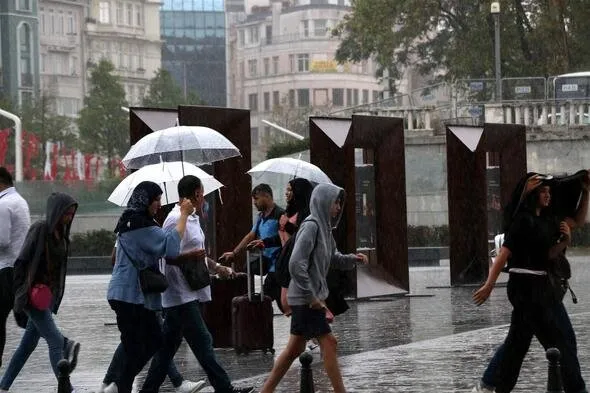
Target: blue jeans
<point>185,320</point>
<point>40,324</point>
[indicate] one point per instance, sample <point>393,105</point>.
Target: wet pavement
<point>436,341</point>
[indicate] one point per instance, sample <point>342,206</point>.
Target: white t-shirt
<point>15,219</point>
<point>179,292</point>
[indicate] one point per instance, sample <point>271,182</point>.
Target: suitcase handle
<point>250,294</point>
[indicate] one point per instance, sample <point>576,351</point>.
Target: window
<point>25,55</point>
<point>71,29</point>
<point>266,99</point>
<point>120,13</point>
<point>338,97</point>
<point>43,62</point>
<point>129,16</point>
<point>241,66</point>
<point>73,65</point>
<point>138,16</point>
<point>302,98</point>
<point>291,63</point>
<point>52,21</point>
<point>104,12</point>
<point>254,135</point>
<point>349,97</point>
<point>253,102</point>
<point>24,5</point>
<point>275,65</point>
<point>320,27</point>
<point>60,23</point>
<point>376,95</point>
<point>254,35</point>
<point>303,63</point>
<point>268,34</point>
<point>266,66</point>
<point>276,101</point>
<point>291,98</point>
<point>365,96</point>
<point>355,96</point>
<point>305,28</point>
<point>42,21</point>
<point>252,68</point>
<point>241,38</point>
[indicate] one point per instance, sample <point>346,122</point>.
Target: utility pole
<point>18,144</point>
<point>495,11</point>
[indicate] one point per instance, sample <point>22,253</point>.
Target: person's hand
<point>317,304</point>
<point>531,183</point>
<point>186,207</point>
<point>482,294</point>
<point>255,244</point>
<point>565,231</point>
<point>198,253</point>
<point>586,181</point>
<point>329,315</point>
<point>224,272</point>
<point>227,256</point>
<point>362,258</point>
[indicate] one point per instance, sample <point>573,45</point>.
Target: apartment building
<point>19,49</point>
<point>62,60</point>
<point>282,56</point>
<point>126,32</point>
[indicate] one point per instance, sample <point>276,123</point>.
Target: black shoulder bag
<point>150,280</point>
<point>196,274</point>
<point>559,273</point>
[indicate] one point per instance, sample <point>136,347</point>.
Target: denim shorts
<point>308,322</point>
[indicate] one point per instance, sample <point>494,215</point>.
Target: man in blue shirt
<point>266,226</point>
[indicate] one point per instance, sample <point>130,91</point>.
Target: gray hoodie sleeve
<point>342,261</point>
<point>299,263</point>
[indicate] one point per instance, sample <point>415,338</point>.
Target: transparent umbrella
<point>166,175</point>
<point>193,144</point>
<point>291,166</point>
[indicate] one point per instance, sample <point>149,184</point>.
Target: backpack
<point>282,264</point>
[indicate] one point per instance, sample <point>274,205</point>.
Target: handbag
<point>196,274</point>
<point>150,280</point>
<point>40,297</point>
<point>559,273</point>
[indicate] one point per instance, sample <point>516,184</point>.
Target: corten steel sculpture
<point>467,191</point>
<point>332,145</point>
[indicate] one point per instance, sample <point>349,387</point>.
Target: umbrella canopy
<point>194,144</point>
<point>292,167</point>
<point>166,175</point>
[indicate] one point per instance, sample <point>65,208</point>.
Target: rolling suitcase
<point>252,319</point>
<point>217,314</point>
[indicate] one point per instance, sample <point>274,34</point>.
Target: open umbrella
<point>293,167</point>
<point>166,175</point>
<point>193,144</point>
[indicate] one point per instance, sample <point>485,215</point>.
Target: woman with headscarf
<point>39,283</point>
<point>538,232</point>
<point>297,195</point>
<point>140,245</point>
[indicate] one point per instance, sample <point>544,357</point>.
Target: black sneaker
<point>71,350</point>
<point>249,389</point>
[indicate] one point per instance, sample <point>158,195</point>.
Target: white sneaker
<point>190,386</point>
<point>112,388</point>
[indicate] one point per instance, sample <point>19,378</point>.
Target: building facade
<point>193,32</point>
<point>126,32</point>
<point>62,62</point>
<point>19,49</point>
<point>283,66</point>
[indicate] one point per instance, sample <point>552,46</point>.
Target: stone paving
<point>437,341</point>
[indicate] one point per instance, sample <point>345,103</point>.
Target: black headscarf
<point>299,203</point>
<point>136,215</point>
<point>565,197</point>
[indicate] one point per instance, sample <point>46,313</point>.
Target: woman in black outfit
<point>534,240</point>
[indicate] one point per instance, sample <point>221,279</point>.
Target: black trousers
<point>141,336</point>
<point>6,304</point>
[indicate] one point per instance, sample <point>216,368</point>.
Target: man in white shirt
<point>15,221</point>
<point>181,303</point>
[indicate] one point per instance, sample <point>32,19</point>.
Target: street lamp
<point>18,144</point>
<point>495,11</point>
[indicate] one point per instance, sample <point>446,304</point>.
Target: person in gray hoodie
<point>313,253</point>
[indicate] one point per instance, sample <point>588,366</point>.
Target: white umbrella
<point>166,175</point>
<point>292,167</point>
<point>194,144</point>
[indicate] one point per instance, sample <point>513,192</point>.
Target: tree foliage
<point>455,38</point>
<point>164,92</point>
<point>103,125</point>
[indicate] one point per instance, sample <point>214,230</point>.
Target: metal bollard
<point>63,379</point>
<point>306,385</point>
<point>554,384</point>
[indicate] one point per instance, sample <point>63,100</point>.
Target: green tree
<point>164,92</point>
<point>455,38</point>
<point>103,125</point>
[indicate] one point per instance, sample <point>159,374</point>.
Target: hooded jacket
<point>315,249</point>
<point>33,252</point>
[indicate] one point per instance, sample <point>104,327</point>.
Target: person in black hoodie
<point>41,269</point>
<point>538,221</point>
